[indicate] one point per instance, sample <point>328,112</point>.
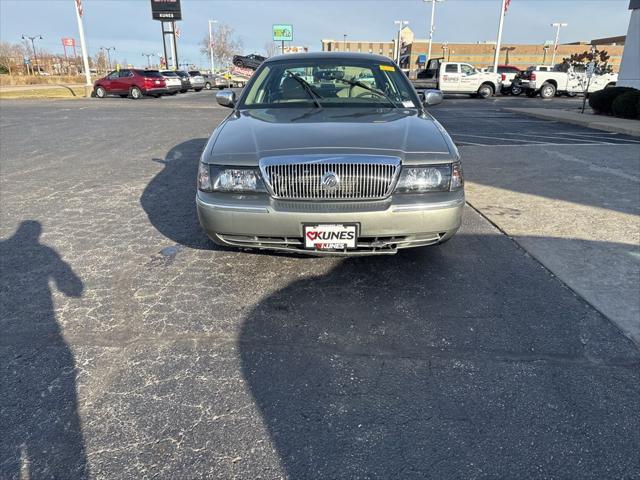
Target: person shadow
<point>40,429</point>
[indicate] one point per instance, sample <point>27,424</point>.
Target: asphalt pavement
<point>132,347</point>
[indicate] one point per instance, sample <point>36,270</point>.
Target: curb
<point>583,122</point>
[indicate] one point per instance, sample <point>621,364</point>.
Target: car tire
<point>531,93</point>
<point>207,86</point>
<point>547,90</point>
<point>239,63</point>
<point>485,91</point>
<point>516,90</point>
<point>135,93</point>
<point>100,92</point>
<point>183,91</point>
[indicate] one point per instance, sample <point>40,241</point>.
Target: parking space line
<point>496,138</point>
<point>555,137</point>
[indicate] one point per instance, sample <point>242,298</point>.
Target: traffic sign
<point>27,60</point>
<point>166,10</point>
<point>282,33</point>
<point>591,68</point>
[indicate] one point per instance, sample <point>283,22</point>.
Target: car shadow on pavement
<point>418,366</point>
<point>169,199</point>
<point>40,431</point>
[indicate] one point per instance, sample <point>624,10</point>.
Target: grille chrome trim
<point>361,177</point>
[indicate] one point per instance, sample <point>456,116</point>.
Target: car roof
<point>330,55</point>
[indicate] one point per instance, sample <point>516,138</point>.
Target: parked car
<point>197,80</point>
<point>252,61</point>
<point>549,83</point>
<point>209,80</point>
<point>456,77</point>
<point>173,81</point>
<point>335,166</point>
<point>133,83</point>
<point>185,78</point>
<point>507,74</point>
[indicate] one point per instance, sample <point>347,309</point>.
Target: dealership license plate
<point>330,237</point>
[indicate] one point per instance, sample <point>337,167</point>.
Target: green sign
<point>282,33</point>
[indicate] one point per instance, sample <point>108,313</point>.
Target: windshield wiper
<point>307,88</point>
<point>358,83</point>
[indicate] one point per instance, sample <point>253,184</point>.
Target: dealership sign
<point>166,10</point>
<point>283,33</point>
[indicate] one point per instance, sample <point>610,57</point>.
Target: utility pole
<point>108,49</point>
<point>211,44</point>
<point>432,27</point>
<point>558,26</point>
<point>149,55</point>
<point>401,24</point>
<point>83,45</point>
<point>496,58</point>
<point>33,45</point>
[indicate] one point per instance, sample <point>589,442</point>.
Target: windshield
<point>329,83</point>
<point>195,73</point>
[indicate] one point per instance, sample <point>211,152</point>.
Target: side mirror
<point>226,98</point>
<point>432,97</point>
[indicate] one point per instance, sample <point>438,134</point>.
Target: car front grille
<point>348,177</point>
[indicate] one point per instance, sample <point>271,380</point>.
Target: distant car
<point>252,61</point>
<point>507,74</point>
<point>186,80</point>
<point>133,83</point>
<point>209,80</point>
<point>173,81</point>
<point>197,80</point>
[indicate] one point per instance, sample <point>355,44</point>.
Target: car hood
<point>249,135</point>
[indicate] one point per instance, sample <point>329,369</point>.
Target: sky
<point>127,24</point>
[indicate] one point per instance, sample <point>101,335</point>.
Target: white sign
<point>591,67</point>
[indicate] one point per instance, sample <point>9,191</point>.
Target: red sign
<point>68,42</point>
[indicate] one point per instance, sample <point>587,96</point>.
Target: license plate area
<point>330,236</point>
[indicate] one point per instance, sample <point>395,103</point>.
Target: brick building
<point>479,54</point>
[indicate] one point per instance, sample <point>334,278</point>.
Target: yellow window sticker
<point>387,68</point>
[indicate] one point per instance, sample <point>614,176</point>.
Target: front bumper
<point>258,221</point>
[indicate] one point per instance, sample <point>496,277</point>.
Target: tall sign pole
<point>83,46</point>
<point>496,58</point>
<point>211,44</point>
<point>558,25</point>
<point>432,27</point>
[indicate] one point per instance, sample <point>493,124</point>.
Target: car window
<point>467,69</point>
<point>451,68</point>
<point>334,83</point>
<point>113,75</point>
<point>125,73</point>
<point>169,73</point>
<point>194,72</point>
<point>150,73</point>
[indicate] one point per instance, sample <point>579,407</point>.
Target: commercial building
<point>413,51</point>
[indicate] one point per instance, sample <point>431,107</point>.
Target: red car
<point>132,83</point>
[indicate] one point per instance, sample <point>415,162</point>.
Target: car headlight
<point>432,178</point>
<point>214,178</point>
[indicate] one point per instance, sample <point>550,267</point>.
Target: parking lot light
<point>432,27</point>
<point>558,26</point>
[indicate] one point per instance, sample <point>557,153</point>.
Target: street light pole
<point>33,45</point>
<point>211,44</point>
<point>558,25</point>
<point>432,27</point>
<point>108,49</point>
<point>148,55</point>
<point>496,58</point>
<point>401,24</point>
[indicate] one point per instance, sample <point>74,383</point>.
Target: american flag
<point>506,5</point>
<point>79,6</point>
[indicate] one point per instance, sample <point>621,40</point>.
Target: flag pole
<point>499,41</point>
<point>83,45</point>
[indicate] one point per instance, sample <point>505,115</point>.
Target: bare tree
<point>271,49</point>
<point>225,45</point>
<point>100,61</point>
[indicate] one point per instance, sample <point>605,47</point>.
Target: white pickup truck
<point>551,82</point>
<point>456,77</point>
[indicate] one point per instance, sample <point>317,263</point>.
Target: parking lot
<point>132,347</point>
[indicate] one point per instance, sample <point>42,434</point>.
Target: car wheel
<point>183,91</point>
<point>101,92</point>
<point>238,63</point>
<point>207,86</point>
<point>485,91</point>
<point>135,93</point>
<point>516,90</point>
<point>547,90</point>
<point>531,93</point>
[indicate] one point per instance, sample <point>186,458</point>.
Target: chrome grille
<point>359,177</point>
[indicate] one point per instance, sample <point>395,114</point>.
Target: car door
<point>110,82</point>
<point>450,77</point>
<point>468,78</point>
